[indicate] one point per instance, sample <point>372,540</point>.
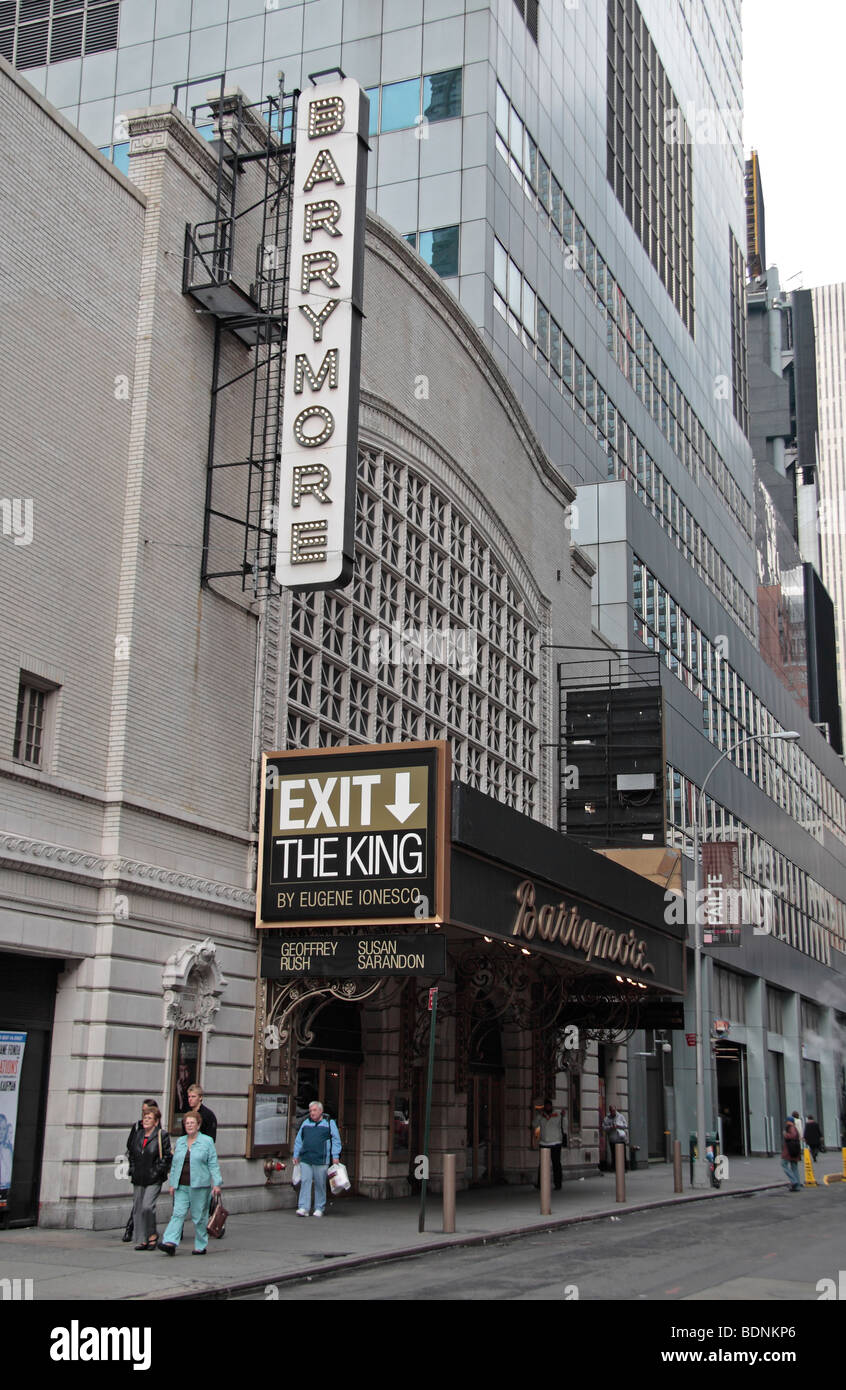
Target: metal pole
<point>449,1194</point>
<point>677,1166</point>
<point>545,1156</point>
<point>698,1168</point>
<point>433,1006</point>
<point>620,1171</point>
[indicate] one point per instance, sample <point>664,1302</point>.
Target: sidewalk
<point>266,1247</point>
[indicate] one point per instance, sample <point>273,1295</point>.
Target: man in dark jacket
<point>207,1118</point>
<point>813,1137</point>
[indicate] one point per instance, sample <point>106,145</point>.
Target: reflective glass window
<point>442,95</point>
<point>439,249</point>
<point>400,104</point>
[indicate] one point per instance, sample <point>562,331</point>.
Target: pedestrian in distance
<point>791,1152</point>
<point>813,1137</point>
<point>549,1134</point>
<point>127,1235</point>
<point>149,1154</point>
<point>208,1119</point>
<point>615,1127</point>
<point>194,1177</point>
<point>318,1143</point>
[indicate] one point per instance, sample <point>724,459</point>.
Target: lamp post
<point>700,1171</point>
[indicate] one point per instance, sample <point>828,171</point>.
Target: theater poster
<point>11,1059</point>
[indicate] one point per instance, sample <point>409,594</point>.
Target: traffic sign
<point>352,835</point>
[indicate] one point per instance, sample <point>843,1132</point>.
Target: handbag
<point>217,1218</point>
<point>339,1180</point>
<point>163,1165</point>
<point>296,1174</point>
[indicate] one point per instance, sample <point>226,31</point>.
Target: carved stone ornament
<point>193,983</point>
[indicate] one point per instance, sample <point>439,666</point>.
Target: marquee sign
<point>354,835</point>
<point>345,957</point>
<point>323,355</point>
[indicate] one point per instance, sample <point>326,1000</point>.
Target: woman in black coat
<point>149,1153</point>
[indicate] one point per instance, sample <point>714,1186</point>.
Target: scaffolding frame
<point>256,314</point>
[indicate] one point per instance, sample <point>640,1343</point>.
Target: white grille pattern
<point>433,639</point>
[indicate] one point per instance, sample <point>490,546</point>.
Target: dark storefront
<point>551,952</point>
<point>27,1003</point>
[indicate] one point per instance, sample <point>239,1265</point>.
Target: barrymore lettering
<point>565,924</point>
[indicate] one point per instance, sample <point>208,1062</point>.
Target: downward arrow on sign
<point>403,806</point>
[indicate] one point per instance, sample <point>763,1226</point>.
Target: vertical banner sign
<point>315,542</point>
<point>11,1060</point>
<point>722,900</point>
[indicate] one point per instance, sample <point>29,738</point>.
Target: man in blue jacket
<point>317,1144</point>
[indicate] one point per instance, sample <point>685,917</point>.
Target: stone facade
<point>128,846</point>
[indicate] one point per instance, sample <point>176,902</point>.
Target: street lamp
<point>700,1171</point>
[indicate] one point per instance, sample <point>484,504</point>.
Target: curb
<point>222,1292</point>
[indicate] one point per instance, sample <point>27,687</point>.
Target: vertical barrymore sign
<point>323,362</point>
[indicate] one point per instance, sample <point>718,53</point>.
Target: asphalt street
<point>774,1246</point>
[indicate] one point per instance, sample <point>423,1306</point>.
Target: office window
<point>648,153</point>
<point>528,10</point>
<point>739,377</point>
<point>439,249</point>
<point>400,105</point>
<point>730,995</point>
<point>32,720</point>
<point>442,95</point>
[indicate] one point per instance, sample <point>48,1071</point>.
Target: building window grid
<point>636,356</point>
<point>806,915</point>
<point>785,774</point>
<point>653,488</point>
<point>739,372</point>
<point>602,418</point>
<point>642,161</point>
<point>382,698</point>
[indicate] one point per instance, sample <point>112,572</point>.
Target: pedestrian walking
<point>318,1143</point>
<point>149,1154</point>
<point>791,1152</point>
<point>813,1137</point>
<point>549,1134</point>
<point>127,1235</point>
<point>615,1127</point>
<point>194,1177</point>
<point>208,1119</point>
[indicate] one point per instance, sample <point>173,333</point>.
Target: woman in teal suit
<point>194,1176</point>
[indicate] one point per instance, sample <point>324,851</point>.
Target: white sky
<point>794,79</point>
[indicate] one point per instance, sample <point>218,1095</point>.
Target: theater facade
<point>137,707</point>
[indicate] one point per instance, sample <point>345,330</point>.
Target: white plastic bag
<point>296,1175</point>
<point>338,1178</point>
